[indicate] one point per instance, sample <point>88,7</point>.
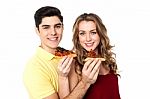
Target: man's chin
<point>53,46</point>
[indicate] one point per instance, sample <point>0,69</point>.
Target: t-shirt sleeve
<point>38,83</point>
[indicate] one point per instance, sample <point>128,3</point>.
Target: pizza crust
<point>102,59</point>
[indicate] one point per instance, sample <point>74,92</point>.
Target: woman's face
<point>88,36</point>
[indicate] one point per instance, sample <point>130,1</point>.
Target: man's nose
<point>52,31</point>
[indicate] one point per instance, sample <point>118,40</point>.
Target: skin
<point>72,87</point>
<point>88,36</point>
<point>50,32</point>
<point>89,39</point>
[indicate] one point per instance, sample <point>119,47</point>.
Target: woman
<point>90,34</point>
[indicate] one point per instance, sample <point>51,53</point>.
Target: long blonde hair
<point>104,47</point>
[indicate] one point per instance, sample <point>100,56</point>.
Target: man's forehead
<point>54,20</point>
<point>42,25</point>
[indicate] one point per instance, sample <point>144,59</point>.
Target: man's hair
<point>46,11</point>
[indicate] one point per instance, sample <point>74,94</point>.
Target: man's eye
<point>58,26</point>
<point>46,27</point>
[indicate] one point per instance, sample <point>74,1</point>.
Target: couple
<point>49,77</point>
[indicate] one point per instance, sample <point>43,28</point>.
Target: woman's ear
<point>37,31</point>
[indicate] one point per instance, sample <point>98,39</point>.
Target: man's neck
<point>50,50</point>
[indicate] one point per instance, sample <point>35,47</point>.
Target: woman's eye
<point>93,33</point>
<point>81,33</point>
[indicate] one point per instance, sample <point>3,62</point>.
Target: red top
<point>106,87</point>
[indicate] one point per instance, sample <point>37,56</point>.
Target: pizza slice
<point>91,54</point>
<point>60,52</point>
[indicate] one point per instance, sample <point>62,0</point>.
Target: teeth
<point>89,44</point>
<point>52,39</point>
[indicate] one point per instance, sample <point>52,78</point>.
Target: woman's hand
<point>90,70</point>
<point>65,66</point>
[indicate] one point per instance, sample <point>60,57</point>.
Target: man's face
<point>50,33</point>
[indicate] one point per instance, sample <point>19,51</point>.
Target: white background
<point>128,24</point>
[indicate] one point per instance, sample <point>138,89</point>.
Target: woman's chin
<point>88,48</point>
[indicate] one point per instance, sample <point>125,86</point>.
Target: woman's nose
<point>88,37</point>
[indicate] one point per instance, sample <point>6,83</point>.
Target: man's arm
<point>53,96</point>
<point>64,88</point>
<point>37,82</point>
<point>79,91</point>
<point>63,71</point>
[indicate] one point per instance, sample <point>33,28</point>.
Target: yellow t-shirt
<point>40,75</point>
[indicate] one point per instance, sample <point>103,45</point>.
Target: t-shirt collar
<point>43,53</point>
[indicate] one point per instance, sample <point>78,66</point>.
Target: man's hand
<point>64,66</point>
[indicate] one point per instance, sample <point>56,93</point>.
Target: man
<point>41,75</point>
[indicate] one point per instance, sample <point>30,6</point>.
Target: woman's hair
<point>104,47</point>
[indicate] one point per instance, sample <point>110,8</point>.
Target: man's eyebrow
<point>49,25</point>
<point>58,24</point>
<point>45,25</point>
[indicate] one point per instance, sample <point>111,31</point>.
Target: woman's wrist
<point>86,85</point>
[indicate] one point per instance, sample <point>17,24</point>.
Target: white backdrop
<point>127,22</point>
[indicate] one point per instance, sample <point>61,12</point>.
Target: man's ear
<point>37,31</point>
<point>63,27</point>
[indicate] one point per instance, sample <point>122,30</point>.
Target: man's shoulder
<point>33,59</point>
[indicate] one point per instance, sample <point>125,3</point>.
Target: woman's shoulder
<point>110,76</point>
<point>113,76</point>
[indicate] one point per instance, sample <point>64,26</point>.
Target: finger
<point>95,76</point>
<point>62,61</point>
<point>102,59</point>
<point>93,64</point>
<point>65,63</point>
<point>67,68</point>
<point>95,69</point>
<point>85,67</point>
<point>87,59</point>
